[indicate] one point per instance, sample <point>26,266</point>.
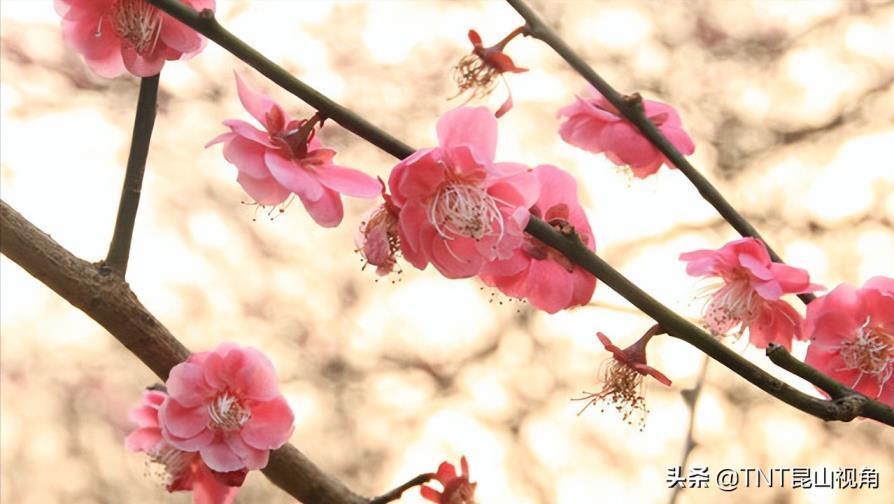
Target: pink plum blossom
<point>114,35</point>
<point>623,377</point>
<point>851,334</point>
<point>227,406</point>
<point>537,272</point>
<point>458,208</point>
<point>287,158</point>
<point>457,487</point>
<point>595,125</point>
<point>749,293</point>
<point>182,471</point>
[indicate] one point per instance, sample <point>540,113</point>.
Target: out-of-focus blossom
<point>749,292</point>
<point>114,35</point>
<point>458,208</point>
<point>537,272</point>
<point>377,238</point>
<point>622,379</point>
<point>287,158</point>
<point>457,488</point>
<point>595,125</point>
<point>227,406</point>
<point>180,470</point>
<point>851,334</point>
<point>477,72</point>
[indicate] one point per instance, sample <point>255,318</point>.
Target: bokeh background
<point>791,107</point>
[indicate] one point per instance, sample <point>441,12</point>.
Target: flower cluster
<point>221,415</point>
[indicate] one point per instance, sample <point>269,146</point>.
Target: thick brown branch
<point>107,299</point>
<point>570,246</point>
<point>634,113</point>
<point>119,248</point>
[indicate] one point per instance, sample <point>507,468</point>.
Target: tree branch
<point>107,299</point>
<point>840,394</point>
<point>634,113</point>
<point>570,246</point>
<point>119,249</point>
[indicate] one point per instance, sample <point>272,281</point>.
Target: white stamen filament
<point>465,210</point>
<point>227,413</point>
<point>730,306</point>
<point>871,352</point>
<point>138,22</point>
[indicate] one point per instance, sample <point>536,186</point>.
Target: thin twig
<point>119,248</point>
<point>690,396</point>
<point>782,358</point>
<point>396,493</point>
<point>570,246</point>
<point>634,113</point>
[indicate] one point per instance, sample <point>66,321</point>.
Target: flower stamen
<point>137,22</point>
<point>227,413</point>
<point>871,353</point>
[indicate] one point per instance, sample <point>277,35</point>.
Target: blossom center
<point>733,304</point>
<point>137,22</point>
<point>871,352</point>
<point>227,413</point>
<point>465,210</point>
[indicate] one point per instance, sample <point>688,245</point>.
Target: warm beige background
<point>791,107</point>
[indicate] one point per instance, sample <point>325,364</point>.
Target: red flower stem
<point>634,113</point>
<point>514,33</point>
<point>570,246</point>
<point>119,248</point>
<point>396,493</point>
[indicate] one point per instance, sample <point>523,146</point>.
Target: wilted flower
<point>457,488</point>
<point>851,334</point>
<point>288,158</point>
<point>458,208</point>
<point>227,406</point>
<point>114,35</point>
<point>477,72</point>
<point>536,271</point>
<point>622,379</point>
<point>180,470</point>
<point>748,296</point>
<point>377,239</point>
<point>594,124</point>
